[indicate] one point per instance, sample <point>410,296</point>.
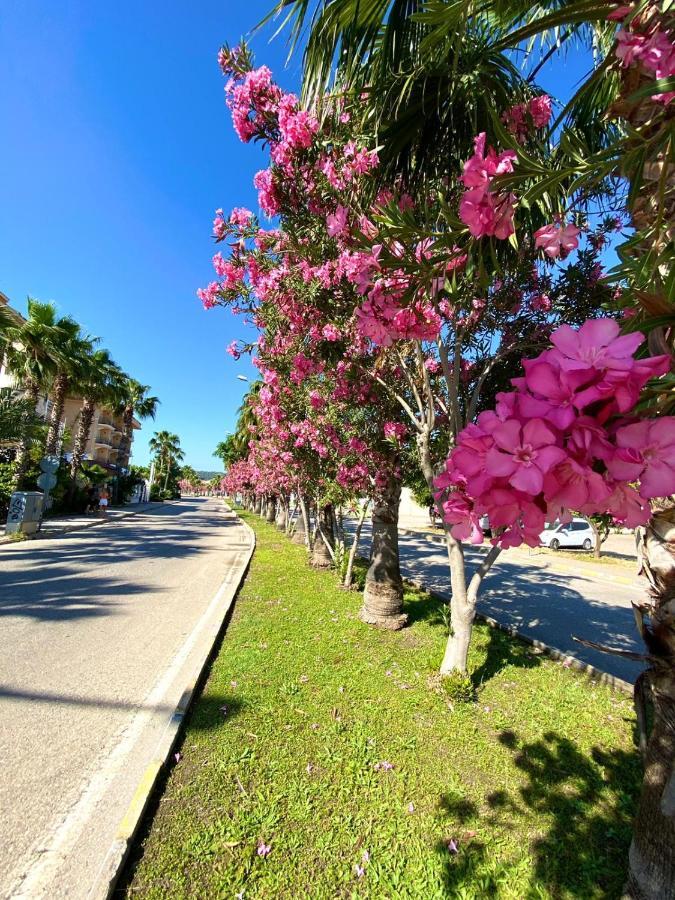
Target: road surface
<point>544,597</point>
<point>101,632</point>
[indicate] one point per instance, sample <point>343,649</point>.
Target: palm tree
<point>136,401</point>
<point>33,348</point>
<point>166,448</point>
<point>18,420</point>
<point>73,351</point>
<point>99,383</point>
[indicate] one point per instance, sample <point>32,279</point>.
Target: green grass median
<point>320,761</point>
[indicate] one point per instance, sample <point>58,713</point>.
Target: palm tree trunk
<point>383,593</point>
<point>652,851</point>
<point>82,436</point>
<point>125,443</point>
<point>22,458</point>
<point>58,402</point>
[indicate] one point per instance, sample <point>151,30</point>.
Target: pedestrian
<point>103,500</point>
<point>92,500</point>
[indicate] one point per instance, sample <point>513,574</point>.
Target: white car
<point>577,533</point>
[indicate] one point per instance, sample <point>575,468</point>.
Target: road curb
<point>568,661</point>
<point>558,567</point>
<point>117,855</point>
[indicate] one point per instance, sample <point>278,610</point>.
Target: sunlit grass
<point>533,785</point>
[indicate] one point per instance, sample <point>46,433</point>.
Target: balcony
<point>105,421</point>
<point>102,441</point>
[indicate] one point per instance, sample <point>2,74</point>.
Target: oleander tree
<point>631,88</point>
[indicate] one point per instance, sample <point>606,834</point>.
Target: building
<point>107,429</point>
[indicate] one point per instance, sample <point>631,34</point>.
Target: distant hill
<point>207,476</point>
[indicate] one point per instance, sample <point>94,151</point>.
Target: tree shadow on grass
<point>579,806</point>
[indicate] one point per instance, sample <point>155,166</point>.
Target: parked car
<point>484,523</point>
<point>577,533</point>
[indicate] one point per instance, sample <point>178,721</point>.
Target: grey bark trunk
<point>383,593</point>
<point>258,506</point>
<point>355,544</point>
<point>463,601</point>
<point>301,535</point>
<point>652,851</point>
<point>58,402</point>
<point>282,516</point>
<point>82,436</point>
<point>271,511</point>
<point>22,458</point>
<point>323,550</point>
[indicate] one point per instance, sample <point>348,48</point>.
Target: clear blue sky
<point>116,149</point>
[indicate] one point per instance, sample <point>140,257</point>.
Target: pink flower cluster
<point>642,42</point>
<point>209,295</point>
<point>562,442</point>
<point>252,100</point>
<point>484,211</point>
<point>395,431</point>
<point>557,239</point>
<point>536,111</point>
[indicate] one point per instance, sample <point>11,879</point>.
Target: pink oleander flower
<point>233,350</point>
<point>480,169</point>
<point>330,332</point>
<point>395,431</point>
<point>523,454</point>
<point>557,240</point>
<point>646,452</point>
<point>629,46</point>
<point>264,849</point>
<point>336,222</point>
<point>540,110</point>
<point>541,303</point>
<point>209,295</point>
<point>241,216</point>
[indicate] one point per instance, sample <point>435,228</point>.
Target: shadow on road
<point>61,579</point>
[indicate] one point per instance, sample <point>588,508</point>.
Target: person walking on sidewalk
<point>103,500</point>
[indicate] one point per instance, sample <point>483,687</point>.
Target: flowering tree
<point>402,61</point>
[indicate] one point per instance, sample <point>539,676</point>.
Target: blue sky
<point>116,151</point>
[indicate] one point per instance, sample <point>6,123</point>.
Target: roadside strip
<point>111,868</point>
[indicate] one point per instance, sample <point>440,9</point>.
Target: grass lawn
<point>337,759</point>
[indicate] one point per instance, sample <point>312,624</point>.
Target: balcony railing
<point>103,441</point>
<point>105,422</point>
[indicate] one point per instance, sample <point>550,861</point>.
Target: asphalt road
<point>101,632</point>
<point>547,598</point>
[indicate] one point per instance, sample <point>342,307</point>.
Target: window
<point>579,526</point>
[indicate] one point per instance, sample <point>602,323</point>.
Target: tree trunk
<point>597,540</point>
<point>58,402</point>
<point>82,436</point>
<point>301,533</point>
<point>383,593</point>
<point>355,544</point>
<point>271,510</point>
<point>282,515</point>
<point>323,553</point>
<point>125,444</point>
<point>652,851</point>
<point>22,459</point>
<point>463,600</point>
<point>258,505</point>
